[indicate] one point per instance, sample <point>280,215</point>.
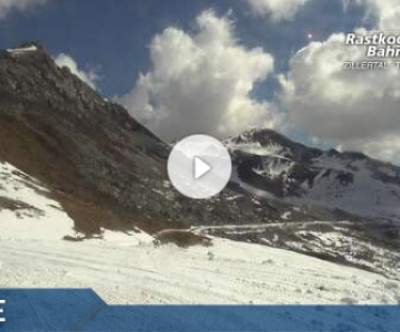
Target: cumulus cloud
<point>385,12</point>
<point>7,6</point>
<point>388,14</point>
<point>277,10</point>
<point>201,82</point>
<point>89,77</point>
<point>357,110</point>
<point>354,110</point>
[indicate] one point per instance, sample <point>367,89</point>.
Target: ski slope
<point>126,267</point>
<point>227,273</point>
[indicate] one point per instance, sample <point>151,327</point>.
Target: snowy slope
<point>228,273</point>
<point>27,212</point>
<point>341,242</point>
<point>126,267</point>
<point>269,164</point>
<point>356,186</point>
<point>26,209</point>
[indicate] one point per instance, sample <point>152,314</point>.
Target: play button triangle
<point>200,168</point>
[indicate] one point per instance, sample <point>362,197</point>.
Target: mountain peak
<point>271,163</point>
<point>31,44</point>
<point>267,141</point>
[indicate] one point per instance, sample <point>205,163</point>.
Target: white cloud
<point>89,77</point>
<point>7,6</point>
<point>386,12</point>
<point>357,110</point>
<point>277,10</point>
<point>201,82</point>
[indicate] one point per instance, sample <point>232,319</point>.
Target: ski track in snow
<point>126,268</point>
<point>237,273</point>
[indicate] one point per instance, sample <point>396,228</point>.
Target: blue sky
<point>114,36</point>
<point>247,74</point>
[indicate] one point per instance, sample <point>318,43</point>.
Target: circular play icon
<point>199,166</point>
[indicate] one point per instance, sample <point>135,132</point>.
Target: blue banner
<point>61,310</point>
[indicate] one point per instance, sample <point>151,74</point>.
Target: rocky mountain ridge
<point>270,164</point>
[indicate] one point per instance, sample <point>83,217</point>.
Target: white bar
<point>2,320</point>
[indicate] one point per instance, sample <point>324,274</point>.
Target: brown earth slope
<point>96,158</point>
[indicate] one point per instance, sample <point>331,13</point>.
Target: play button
<point>199,166</point>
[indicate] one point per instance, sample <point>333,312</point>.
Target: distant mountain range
<point>271,165</point>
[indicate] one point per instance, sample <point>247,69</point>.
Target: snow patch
<point>123,238</point>
<point>22,50</point>
<point>26,211</point>
<point>256,148</point>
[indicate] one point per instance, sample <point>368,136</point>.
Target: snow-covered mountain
<point>270,165</point>
<point>126,267</point>
<point>83,187</point>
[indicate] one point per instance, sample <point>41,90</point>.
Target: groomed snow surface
<point>126,268</point>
